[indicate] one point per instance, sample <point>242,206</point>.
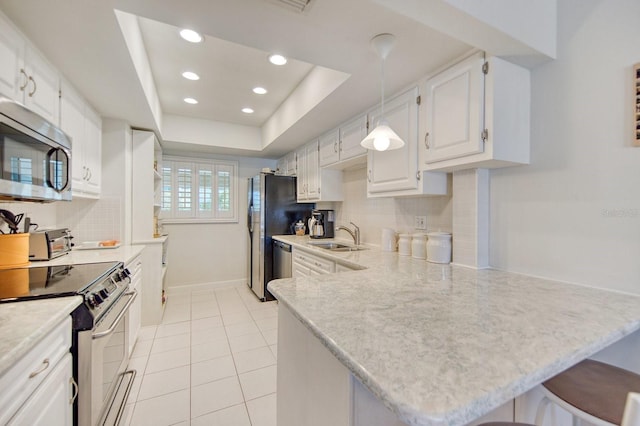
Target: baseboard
<point>206,286</point>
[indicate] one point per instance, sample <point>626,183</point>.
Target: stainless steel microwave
<point>35,156</point>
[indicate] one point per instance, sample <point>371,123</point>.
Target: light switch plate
<point>420,222</point>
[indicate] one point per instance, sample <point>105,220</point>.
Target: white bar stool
<point>592,391</point>
<point>630,417</point>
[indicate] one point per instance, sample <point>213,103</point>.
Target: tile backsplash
<point>89,220</point>
<point>373,214</point>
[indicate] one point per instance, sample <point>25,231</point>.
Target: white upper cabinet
<point>395,172</point>
<point>314,183</point>
<point>26,76</point>
<point>329,148</point>
<point>339,147</point>
<point>84,126</point>
<point>476,115</point>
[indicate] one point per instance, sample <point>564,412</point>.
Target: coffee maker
<point>322,223</point>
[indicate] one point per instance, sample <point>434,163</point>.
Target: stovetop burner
<point>51,281</point>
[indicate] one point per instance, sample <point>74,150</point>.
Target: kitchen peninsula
<point>436,344</point>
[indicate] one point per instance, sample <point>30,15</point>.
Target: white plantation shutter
<point>199,190</point>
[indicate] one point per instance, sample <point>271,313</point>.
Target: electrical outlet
<point>421,222</point>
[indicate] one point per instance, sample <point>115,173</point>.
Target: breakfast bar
<point>444,344</point>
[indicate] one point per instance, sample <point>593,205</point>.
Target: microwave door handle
<point>48,170</point>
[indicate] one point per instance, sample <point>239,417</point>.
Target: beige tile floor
<point>212,361</point>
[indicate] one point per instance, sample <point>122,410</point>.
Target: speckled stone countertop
<point>24,324</point>
<point>444,345</point>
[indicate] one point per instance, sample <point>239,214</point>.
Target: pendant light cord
<point>382,88</point>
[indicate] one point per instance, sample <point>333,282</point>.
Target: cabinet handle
<point>26,79</point>
<point>84,173</point>
<point>34,86</point>
<point>74,385</point>
<point>89,174</point>
<point>44,366</point>
<point>335,147</point>
<point>340,145</point>
<point>418,175</point>
<point>426,140</point>
<point>369,175</point>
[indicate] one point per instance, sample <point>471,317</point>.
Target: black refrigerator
<point>272,210</point>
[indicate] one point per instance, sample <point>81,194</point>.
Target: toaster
<point>48,244</point>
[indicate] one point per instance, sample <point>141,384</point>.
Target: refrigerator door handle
<point>250,219</point>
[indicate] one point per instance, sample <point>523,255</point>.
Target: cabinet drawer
<point>25,376</point>
<point>314,262</point>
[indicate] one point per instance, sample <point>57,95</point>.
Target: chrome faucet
<point>355,234</point>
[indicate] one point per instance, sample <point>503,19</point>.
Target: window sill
<point>196,221</point>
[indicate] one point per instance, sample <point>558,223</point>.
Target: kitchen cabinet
<point>476,114</point>
<point>314,183</point>
<point>396,172</point>
<point>135,311</point>
<point>84,126</point>
<point>288,165</point>
<point>38,389</point>
<point>306,264</point>
<point>341,146</point>
<point>51,404</point>
<point>25,75</point>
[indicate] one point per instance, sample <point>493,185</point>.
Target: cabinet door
<point>292,164</point>
<point>351,134</point>
<point>12,53</point>
<point>298,270</point>
<point>72,123</point>
<point>329,149</point>
<point>93,151</point>
<point>51,403</point>
<point>43,91</point>
<point>454,111</point>
<point>301,181</point>
<point>313,171</point>
<point>396,170</point>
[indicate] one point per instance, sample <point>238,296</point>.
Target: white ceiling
<point>82,39</point>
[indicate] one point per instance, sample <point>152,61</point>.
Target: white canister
<point>388,241</point>
<point>419,246</point>
<point>404,245</point>
<point>439,247</point>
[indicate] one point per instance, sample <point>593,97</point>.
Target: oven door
<point>103,356</point>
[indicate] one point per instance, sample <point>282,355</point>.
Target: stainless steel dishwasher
<point>281,260</point>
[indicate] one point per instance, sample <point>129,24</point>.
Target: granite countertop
<point>124,253</point>
<point>443,344</point>
<point>24,324</point>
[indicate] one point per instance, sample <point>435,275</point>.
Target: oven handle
<point>124,310</point>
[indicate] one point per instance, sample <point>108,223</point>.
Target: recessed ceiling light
<point>190,101</point>
<point>189,75</point>
<point>247,110</point>
<point>277,59</point>
<point>259,90</point>
<point>191,36</point>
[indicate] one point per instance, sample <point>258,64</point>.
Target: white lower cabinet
<point>135,311</point>
<point>39,388</point>
<point>51,404</point>
<point>396,172</point>
<point>307,264</point>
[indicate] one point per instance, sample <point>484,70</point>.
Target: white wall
<point>373,214</point>
<point>213,253</point>
<point>574,213</point>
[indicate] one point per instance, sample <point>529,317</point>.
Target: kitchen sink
<point>336,246</point>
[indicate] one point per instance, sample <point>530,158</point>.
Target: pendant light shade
<point>382,137</point>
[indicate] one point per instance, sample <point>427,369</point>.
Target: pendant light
<point>382,138</point>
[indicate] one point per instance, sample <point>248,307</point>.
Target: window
<point>198,190</point>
